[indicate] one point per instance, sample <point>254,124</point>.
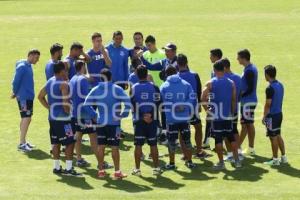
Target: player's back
<point>277,99</point>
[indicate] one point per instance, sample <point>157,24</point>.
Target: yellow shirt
<point>154,58</point>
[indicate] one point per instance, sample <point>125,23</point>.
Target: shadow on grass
<point>38,154</point>
<point>78,182</point>
<point>126,185</point>
<point>163,182</point>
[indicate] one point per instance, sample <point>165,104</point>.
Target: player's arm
<point>20,71</point>
<point>90,101</point>
<point>127,104</point>
<point>86,57</point>
<point>64,88</point>
<point>269,95</point>
<point>106,57</point>
<point>42,97</point>
<point>152,67</point>
<point>199,90</point>
<point>250,83</point>
<point>234,100</point>
<point>205,95</point>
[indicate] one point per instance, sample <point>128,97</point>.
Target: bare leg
<point>78,145</point>
<point>281,145</point>
<point>116,157</point>
<point>56,151</point>
<point>101,149</point>
<point>274,144</point>
<point>251,134</point>
<point>24,124</point>
<point>137,156</point>
<point>243,134</point>
<point>69,151</point>
<point>154,153</point>
<point>93,142</point>
<point>198,137</point>
<point>219,150</point>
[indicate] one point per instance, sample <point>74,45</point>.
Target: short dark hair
<point>245,54</point>
<point>171,71</point>
<point>105,75</point>
<point>142,72</point>
<point>218,66</point>
<point>58,67</point>
<point>138,33</point>
<point>55,48</point>
<point>79,64</point>
<point>270,70</point>
<point>182,59</point>
<point>150,39</point>
<point>216,52</point>
<point>226,62</point>
<point>33,52</point>
<point>116,33</point>
<point>96,35</point>
<point>76,45</point>
<point>135,62</point>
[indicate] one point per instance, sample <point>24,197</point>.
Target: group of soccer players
<point>85,93</point>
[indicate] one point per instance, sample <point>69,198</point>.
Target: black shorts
<point>247,113</point>
<point>173,131</point>
<point>84,126</point>
<point>235,124</point>
<point>109,135</point>
<point>144,131</point>
<point>273,124</point>
<point>25,108</point>
<point>61,132</point>
<point>222,129</point>
<point>195,120</point>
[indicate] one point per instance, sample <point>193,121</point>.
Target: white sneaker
<point>24,148</point>
<point>249,151</point>
<point>136,172</point>
<point>284,159</point>
<point>273,162</point>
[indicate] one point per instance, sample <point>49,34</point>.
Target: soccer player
<point>237,82</point>
<point>178,103</point>
<point>133,77</point>
<point>119,57</point>
<point>58,104</point>
<point>153,55</point>
<point>170,60</point>
<point>76,50</point>
<point>108,97</point>
<point>248,99</point>
<point>145,98</point>
<point>194,80</point>
<point>138,40</point>
<point>23,91</point>
<point>273,115</point>
<point>222,106</point>
<point>99,59</point>
<point>56,51</point>
<point>215,55</point>
<point>81,121</point>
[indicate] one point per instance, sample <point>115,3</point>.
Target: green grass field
<point>270,29</point>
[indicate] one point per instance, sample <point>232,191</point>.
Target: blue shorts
<point>25,108</point>
<point>273,124</point>
<point>247,114</point>
<point>61,132</point>
<point>109,135</point>
<point>84,126</point>
<point>173,131</point>
<point>222,129</point>
<point>144,131</point>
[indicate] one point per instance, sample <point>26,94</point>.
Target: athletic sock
<point>229,154</point>
<point>56,164</point>
<point>240,151</point>
<point>69,164</point>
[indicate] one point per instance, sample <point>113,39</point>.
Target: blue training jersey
<point>49,69</point>
<point>221,98</point>
<point>55,100</point>
<point>237,82</point>
<point>249,84</point>
<point>95,66</point>
<point>275,91</point>
<point>71,62</point>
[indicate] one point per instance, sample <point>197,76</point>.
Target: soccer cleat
<point>202,155</point>
<point>157,171</point>
<point>101,174</point>
<point>58,171</point>
<point>72,172</point>
<point>241,157</point>
<point>249,151</point>
<point>119,175</point>
<point>273,162</point>
<point>237,164</point>
<point>30,145</point>
<point>229,159</point>
<point>170,167</point>
<point>190,164</point>
<point>24,148</point>
<point>106,165</point>
<point>82,163</point>
<point>136,172</point>
<point>219,166</point>
<point>284,159</point>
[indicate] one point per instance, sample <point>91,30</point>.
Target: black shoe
<point>190,164</point>
<point>58,171</point>
<point>72,172</point>
<point>170,167</point>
